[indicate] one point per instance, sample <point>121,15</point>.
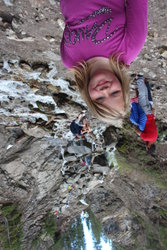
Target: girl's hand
<point>138,132</point>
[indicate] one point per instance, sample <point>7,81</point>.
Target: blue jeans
<point>143,96</point>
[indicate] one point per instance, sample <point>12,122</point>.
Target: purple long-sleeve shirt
<point>103,28</point>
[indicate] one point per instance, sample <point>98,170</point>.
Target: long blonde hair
<point>82,78</point>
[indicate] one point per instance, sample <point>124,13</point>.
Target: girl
<point>142,115</point>
<point>100,40</point>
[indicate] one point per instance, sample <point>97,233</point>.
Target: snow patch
<point>6,66</point>
<point>16,96</point>
<point>8,3</point>
<point>61,24</point>
<point>9,146</point>
<point>52,73</point>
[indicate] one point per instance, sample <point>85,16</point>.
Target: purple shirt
<point>103,28</point>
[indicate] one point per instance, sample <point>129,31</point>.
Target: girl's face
<point>105,88</point>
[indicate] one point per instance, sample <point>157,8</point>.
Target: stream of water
<point>85,233</point>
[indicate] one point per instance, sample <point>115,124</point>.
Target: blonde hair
<point>82,78</point>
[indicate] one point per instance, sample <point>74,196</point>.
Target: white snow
<point>9,146</point>
<point>16,95</point>
<point>6,66</point>
<point>15,92</point>
<point>61,24</point>
<point>53,70</point>
<point>8,3</point>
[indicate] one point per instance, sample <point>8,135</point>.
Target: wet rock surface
<point>47,176</point>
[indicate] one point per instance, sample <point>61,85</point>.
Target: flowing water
<point>85,233</point>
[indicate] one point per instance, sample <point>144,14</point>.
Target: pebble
<point>146,70</point>
<point>52,40</point>
<point>152,74</point>
<point>146,56</point>
<point>164,64</point>
<point>155,34</point>
<point>164,54</point>
<point>15,25</point>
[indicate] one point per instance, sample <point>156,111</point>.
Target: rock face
<point>44,177</point>
<point>47,176</point>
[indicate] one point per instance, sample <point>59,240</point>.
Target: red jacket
<point>150,132</point>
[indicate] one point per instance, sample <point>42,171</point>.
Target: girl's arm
<point>136,23</point>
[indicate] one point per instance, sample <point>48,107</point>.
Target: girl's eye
<point>115,93</point>
<point>99,99</point>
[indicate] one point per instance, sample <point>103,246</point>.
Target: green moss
<point>154,175</point>
<point>36,240</point>
<point>123,149</point>
<point>8,209</point>
<point>49,228</point>
<point>161,135</point>
<point>58,244</point>
<point>11,229</point>
<point>157,176</point>
<point>118,247</point>
<point>163,237</point>
<point>123,164</point>
<point>154,237</point>
<point>149,234</point>
<point>163,212</point>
